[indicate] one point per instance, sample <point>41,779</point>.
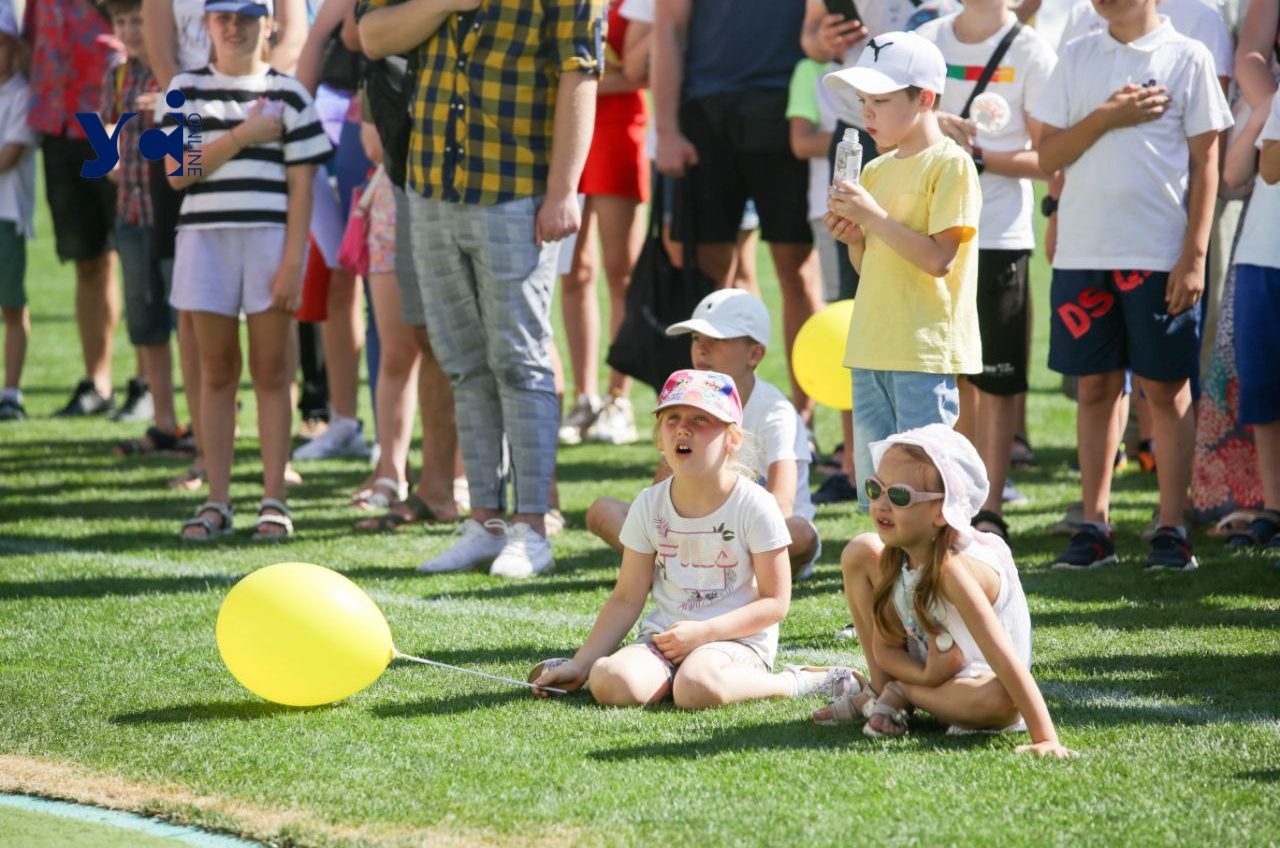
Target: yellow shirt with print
<point>906,319</point>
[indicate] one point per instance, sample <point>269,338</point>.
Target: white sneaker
<point>475,546</point>
<point>526,553</point>
<point>345,437</point>
<point>582,416</point>
<point>615,425</point>
<point>1011,495</point>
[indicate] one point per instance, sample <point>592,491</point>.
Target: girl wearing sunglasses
<point>938,606</point>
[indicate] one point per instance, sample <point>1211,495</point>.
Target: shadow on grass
<point>247,710</point>
<point>448,705</point>
<point>803,735</point>
<point>1259,775</point>
<point>102,587</point>
<point>526,588</point>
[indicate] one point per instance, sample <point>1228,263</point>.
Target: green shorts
<point>13,266</point>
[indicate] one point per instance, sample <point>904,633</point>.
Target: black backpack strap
<point>994,62</point>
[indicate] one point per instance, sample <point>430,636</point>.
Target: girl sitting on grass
<point>944,616</point>
<point>710,545</point>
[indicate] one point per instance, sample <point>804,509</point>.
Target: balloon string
<point>399,656</point>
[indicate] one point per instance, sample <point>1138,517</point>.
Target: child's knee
<point>269,374</point>
<point>602,518</point>
<point>804,542</point>
<point>861,557</point>
<point>699,687</point>
<point>220,373</point>
<point>614,685</point>
<point>1099,388</point>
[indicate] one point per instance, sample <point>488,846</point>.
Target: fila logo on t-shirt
<point>877,48</point>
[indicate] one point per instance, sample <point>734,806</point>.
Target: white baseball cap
<point>891,62</point>
<point>727,314</point>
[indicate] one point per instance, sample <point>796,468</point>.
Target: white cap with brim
<point>248,8</point>
<point>727,314</point>
<point>891,62</point>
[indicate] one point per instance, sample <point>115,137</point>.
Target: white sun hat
<point>964,476</point>
<point>891,62</point>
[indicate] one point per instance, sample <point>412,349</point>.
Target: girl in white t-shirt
<point>710,546</point>
<point>947,618</point>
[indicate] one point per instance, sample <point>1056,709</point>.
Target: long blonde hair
<point>893,560</point>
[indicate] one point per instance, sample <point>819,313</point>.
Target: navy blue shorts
<point>1257,343</point>
<point>1105,321</point>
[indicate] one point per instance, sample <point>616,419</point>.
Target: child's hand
<point>146,102</point>
<point>260,126</point>
<point>286,287</point>
<point>958,129</point>
<point>565,675</point>
<point>1186,284</point>
<point>1133,104</point>
<point>939,666</point>
<point>679,640</point>
<point>852,201</point>
<point>844,230</point>
<point>1052,748</point>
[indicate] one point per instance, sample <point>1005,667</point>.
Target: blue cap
<point>250,8</point>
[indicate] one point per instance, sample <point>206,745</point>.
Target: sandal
<point>994,520</point>
<point>1261,531</point>
<point>153,441</point>
<point>281,517</point>
<point>1022,455</point>
<point>291,476</point>
<point>828,681</point>
<point>897,716</point>
<point>212,529</point>
<point>846,708</point>
<point>190,480</point>
<point>382,493</point>
<point>391,521</point>
<point>1232,523</point>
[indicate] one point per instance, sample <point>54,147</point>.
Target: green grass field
<point>112,691</point>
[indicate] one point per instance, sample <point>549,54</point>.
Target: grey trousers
<point>486,296</point>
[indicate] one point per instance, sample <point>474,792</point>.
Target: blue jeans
<point>889,402</point>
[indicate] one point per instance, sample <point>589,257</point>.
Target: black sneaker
<point>1089,548</point>
<point>1170,550</point>
<point>85,400</point>
<point>834,489</point>
<point>12,410</point>
<point>138,403</point>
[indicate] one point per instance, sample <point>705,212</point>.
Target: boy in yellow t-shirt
<point>911,230</point>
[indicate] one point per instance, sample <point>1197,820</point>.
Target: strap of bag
<point>994,62</point>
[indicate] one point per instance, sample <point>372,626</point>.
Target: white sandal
<point>845,709</point>
<point>381,494</point>
<point>282,518</point>
<point>897,715</point>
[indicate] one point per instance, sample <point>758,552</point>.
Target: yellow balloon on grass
<point>818,356</point>
<point>301,635</point>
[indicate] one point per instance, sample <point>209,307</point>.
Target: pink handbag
<point>353,253</point>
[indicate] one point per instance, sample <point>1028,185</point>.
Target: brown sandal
<point>392,521</point>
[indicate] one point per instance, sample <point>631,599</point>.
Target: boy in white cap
<point>910,228</point>
<point>730,330</point>
<point>17,202</point>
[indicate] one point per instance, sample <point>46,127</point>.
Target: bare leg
<point>846,460</point>
<point>631,677</point>
<point>605,518</point>
<point>1097,437</point>
<point>189,363</point>
<point>157,368</point>
<point>621,240</point>
<point>17,332</point>
<point>439,432</point>
<point>579,308</point>
<point>970,410</point>
<point>972,702</point>
<point>709,678</point>
<point>343,338</point>
<point>268,367</point>
<point>97,314</point>
<point>860,565</point>
<point>1174,428</point>
<point>996,425</point>
<point>219,342</point>
<point>717,262</point>
<point>744,262</point>
<point>397,394</point>
<point>801,283</point>
<point>1267,438</point>
<point>804,543</point>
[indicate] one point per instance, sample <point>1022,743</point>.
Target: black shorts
<point>1002,321</point>
<point>744,151</point>
<point>83,210</point>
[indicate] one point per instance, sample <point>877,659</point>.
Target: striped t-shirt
<point>249,190</point>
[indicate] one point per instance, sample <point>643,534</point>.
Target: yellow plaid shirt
<point>483,111</point>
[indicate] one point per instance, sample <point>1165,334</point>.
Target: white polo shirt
<point>1007,202</point>
<point>1123,202</point>
<point>1193,18</point>
<point>1259,243</point>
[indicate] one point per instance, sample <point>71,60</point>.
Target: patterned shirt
<point>72,49</point>
<point>484,105</point>
<point>120,90</point>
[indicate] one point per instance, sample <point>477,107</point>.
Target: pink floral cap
<point>710,391</point>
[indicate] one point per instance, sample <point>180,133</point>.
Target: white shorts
<point>226,269</point>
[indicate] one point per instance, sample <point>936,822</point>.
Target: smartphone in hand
<point>843,7</point>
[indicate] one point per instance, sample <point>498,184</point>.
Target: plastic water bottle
<point>848,165</point>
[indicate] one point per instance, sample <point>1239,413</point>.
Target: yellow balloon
<point>818,356</point>
<point>302,635</point>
